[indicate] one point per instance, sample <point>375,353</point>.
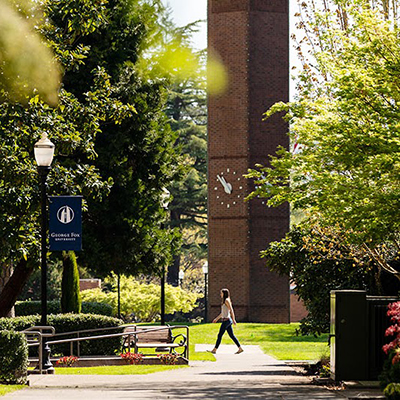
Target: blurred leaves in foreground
<point>27,65</point>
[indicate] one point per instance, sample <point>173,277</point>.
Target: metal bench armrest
<point>183,341</point>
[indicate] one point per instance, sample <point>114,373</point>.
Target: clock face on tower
<point>229,188</point>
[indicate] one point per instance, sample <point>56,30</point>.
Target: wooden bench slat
<point>158,344</point>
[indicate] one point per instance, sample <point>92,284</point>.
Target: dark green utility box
<point>348,335</point>
<point>357,334</point>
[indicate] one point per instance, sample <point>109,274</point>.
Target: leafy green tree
<point>70,290</point>
<point>124,232</point>
<point>187,112</point>
<point>72,125</point>
<point>346,174</point>
<point>319,260</point>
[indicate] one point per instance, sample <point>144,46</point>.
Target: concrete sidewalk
<point>250,375</point>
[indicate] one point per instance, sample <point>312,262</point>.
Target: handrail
<point>40,334</point>
<point>92,330</point>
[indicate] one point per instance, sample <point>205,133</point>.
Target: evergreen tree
<point>70,290</point>
<point>187,112</point>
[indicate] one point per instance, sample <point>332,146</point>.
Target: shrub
<point>168,359</point>
<point>13,357</point>
<point>92,307</point>
<point>301,255</point>
<point>69,323</point>
<point>391,367</point>
<point>67,361</point>
<point>132,358</point>
<point>143,300</point>
<point>392,391</point>
<point>70,291</point>
<point>32,307</point>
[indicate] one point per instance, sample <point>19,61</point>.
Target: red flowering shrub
<point>168,359</point>
<point>132,358</point>
<point>393,330</point>
<point>67,361</point>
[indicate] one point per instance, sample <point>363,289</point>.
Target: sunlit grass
<point>5,389</point>
<point>278,340</point>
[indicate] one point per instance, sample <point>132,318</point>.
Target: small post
<point>163,296</point>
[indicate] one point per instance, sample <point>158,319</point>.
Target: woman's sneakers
<point>239,351</point>
<point>213,351</point>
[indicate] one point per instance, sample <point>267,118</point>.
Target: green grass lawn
<point>277,340</point>
<point>4,389</point>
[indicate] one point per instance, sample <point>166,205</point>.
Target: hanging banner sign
<point>65,225</point>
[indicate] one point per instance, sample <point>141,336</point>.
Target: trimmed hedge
<point>69,323</point>
<point>13,357</point>
<point>32,307</point>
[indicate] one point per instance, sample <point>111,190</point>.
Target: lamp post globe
<point>44,152</point>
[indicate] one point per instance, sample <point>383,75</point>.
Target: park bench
<point>160,338</point>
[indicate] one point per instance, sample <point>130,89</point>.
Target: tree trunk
<point>13,287</point>
<point>5,274</point>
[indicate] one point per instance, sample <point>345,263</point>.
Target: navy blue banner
<point>65,226</point>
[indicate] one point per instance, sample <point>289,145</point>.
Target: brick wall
<point>86,284</point>
<point>298,310</point>
<point>251,37</point>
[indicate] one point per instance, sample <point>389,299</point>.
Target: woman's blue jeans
<point>226,326</point>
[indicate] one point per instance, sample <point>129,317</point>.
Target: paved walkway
<point>250,375</point>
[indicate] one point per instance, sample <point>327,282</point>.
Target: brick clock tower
<point>251,37</point>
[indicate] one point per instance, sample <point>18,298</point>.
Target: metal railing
<point>36,334</point>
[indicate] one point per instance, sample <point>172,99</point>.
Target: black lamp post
<point>205,272</point>
<point>164,203</point>
<point>44,152</point>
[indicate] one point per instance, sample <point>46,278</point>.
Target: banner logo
<point>65,215</point>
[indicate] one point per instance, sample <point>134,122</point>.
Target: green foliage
<point>137,155</point>
<point>92,307</point>
<point>390,373</point>
<point>32,307</point>
<point>27,65</point>
<point>70,290</point>
<point>345,121</point>
<point>187,112</point>
<point>392,391</point>
<point>32,290</point>
<point>13,357</point>
<point>109,111</point>
<point>143,300</point>
<point>70,323</point>
<point>300,256</point>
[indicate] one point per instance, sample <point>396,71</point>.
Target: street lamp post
<point>205,272</point>
<point>165,197</point>
<point>44,152</point>
<point>181,276</point>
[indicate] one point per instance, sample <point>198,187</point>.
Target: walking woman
<point>227,317</point>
